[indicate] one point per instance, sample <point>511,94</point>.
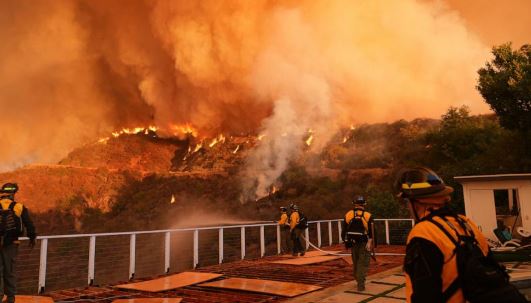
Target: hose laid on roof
<point>346,255</point>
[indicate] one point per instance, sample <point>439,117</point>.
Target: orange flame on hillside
<point>185,129</point>
<point>309,140</point>
<point>198,147</point>
<point>218,139</point>
<point>134,131</point>
<point>103,140</point>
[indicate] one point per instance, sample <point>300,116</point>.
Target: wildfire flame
<point>198,147</point>
<point>103,140</point>
<point>134,131</point>
<point>218,139</point>
<point>345,139</point>
<point>309,140</point>
<point>260,137</point>
<point>237,149</point>
<point>185,129</point>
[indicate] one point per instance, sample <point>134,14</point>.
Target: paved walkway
<point>382,287</point>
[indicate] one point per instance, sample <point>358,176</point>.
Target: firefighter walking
<point>285,235</point>
<point>358,229</point>
<point>447,256</point>
<point>14,218</point>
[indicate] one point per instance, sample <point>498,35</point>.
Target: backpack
<point>303,221</point>
<point>356,230</point>
<point>481,278</point>
<point>10,225</point>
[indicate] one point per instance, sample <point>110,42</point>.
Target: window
<point>501,200</point>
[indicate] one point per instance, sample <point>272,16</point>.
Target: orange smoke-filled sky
<point>72,71</point>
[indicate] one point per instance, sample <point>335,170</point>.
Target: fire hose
<point>346,255</point>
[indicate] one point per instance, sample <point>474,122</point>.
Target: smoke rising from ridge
<point>76,70</point>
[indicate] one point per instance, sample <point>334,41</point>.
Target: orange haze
<point>72,71</point>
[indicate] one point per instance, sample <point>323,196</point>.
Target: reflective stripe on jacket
<point>429,231</point>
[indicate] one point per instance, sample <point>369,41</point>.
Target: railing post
<point>167,251</point>
<point>412,223</point>
<point>242,242</point>
<point>132,256</point>
<point>262,241</point>
<point>279,243</point>
<point>220,245</point>
<point>307,236</point>
<point>91,260</point>
<point>330,241</point>
<point>42,265</point>
<point>339,231</point>
<point>318,234</point>
<point>196,248</point>
<point>387,232</point>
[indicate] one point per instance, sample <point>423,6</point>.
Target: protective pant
<point>8,254</point>
<point>296,237</point>
<point>286,241</point>
<point>360,262</point>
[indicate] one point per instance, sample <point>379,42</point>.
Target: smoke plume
<point>73,71</point>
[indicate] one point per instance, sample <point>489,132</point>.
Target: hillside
<point>98,173</point>
<point>112,184</point>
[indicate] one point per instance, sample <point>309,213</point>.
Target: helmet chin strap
<point>417,219</point>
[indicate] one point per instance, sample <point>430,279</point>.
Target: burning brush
<point>273,195</point>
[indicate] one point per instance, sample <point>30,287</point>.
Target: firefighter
<point>296,231</point>
<point>14,218</point>
<point>358,228</point>
<point>284,230</point>
<point>447,257</point>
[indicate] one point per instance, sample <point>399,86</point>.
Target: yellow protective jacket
<point>366,219</point>
<point>25,221</point>
<point>283,219</point>
<point>294,220</point>
<point>428,231</point>
<point>4,203</point>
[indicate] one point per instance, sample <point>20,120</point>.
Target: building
<point>492,200</point>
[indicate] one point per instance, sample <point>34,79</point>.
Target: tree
<point>505,84</point>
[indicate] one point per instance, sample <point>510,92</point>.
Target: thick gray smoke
<point>72,71</point>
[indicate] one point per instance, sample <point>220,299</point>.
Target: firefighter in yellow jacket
<point>14,218</point>
<point>296,231</point>
<point>447,256</point>
<point>285,236</point>
<point>357,233</point>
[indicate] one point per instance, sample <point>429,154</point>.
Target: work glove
<point>369,244</point>
<point>32,242</point>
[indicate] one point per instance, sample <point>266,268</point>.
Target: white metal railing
<point>167,244</point>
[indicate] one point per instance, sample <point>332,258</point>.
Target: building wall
<point>479,202</point>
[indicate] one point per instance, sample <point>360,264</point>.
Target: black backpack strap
<point>444,230</point>
<point>451,290</point>
<point>466,227</point>
<point>454,286</point>
<point>12,205</point>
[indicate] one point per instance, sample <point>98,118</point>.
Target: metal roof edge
<point>498,177</point>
